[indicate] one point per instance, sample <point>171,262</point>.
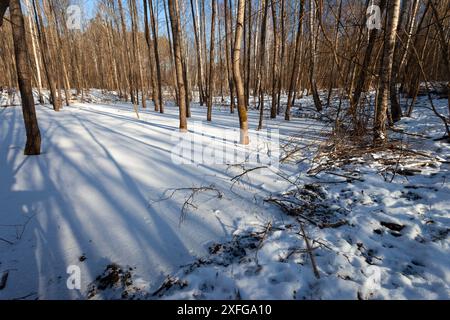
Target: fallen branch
<point>7,241</point>
<point>189,202</point>
<point>310,251</point>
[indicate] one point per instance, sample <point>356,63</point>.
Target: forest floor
<point>108,196</point>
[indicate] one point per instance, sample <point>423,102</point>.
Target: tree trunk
<point>157,60</point>
<point>275,74</point>
<point>46,57</point>
<point>243,119</point>
<point>228,48</point>
<point>199,50</point>
<point>262,63</point>
<point>33,144</point>
<point>380,132</point>
<point>313,57</point>
<point>444,46</point>
<point>211,61</point>
<point>177,48</point>
<point>297,54</point>
<point>282,54</point>
<point>35,53</point>
<point>354,101</point>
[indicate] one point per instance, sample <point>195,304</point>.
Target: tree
<point>380,133</point>
<point>33,144</point>
<point>313,55</point>
<point>243,118</point>
<point>445,47</point>
<point>178,50</point>
<point>297,53</point>
<point>228,48</point>
<point>211,61</point>
<point>195,18</point>
<point>35,52</point>
<point>354,100</point>
<point>46,57</point>
<point>262,63</point>
<point>275,60</point>
<point>157,60</point>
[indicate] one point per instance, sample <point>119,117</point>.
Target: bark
<point>364,68</point>
<point>35,53</point>
<point>445,47</point>
<point>46,57</point>
<point>157,60</point>
<point>199,51</point>
<point>177,48</point>
<point>228,48</point>
<point>297,54</point>
<point>313,57</point>
<point>282,54</point>
<point>33,144</point>
<point>380,132</point>
<point>275,58</point>
<point>243,119</point>
<point>211,61</point>
<point>262,61</point>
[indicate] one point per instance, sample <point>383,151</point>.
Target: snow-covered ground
<point>102,197</point>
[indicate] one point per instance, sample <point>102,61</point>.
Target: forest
<point>225,149</point>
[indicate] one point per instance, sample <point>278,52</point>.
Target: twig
<point>263,237</point>
<point>344,176</point>
<point>189,202</point>
<point>310,252</point>
<point>246,172</point>
<point>7,241</point>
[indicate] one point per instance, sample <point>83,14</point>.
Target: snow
<point>100,195</point>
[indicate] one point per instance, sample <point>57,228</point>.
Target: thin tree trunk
<point>243,118</point>
<point>228,48</point>
<point>313,58</point>
<point>46,58</point>
<point>195,18</point>
<point>211,60</point>
<point>282,54</point>
<point>444,45</point>
<point>297,54</point>
<point>262,63</point>
<point>157,60</point>
<point>275,58</point>
<point>35,53</point>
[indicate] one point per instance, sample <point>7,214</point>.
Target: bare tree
<point>380,132</point>
<point>297,53</point>
<point>243,118</point>
<point>262,63</point>
<point>177,48</point>
<point>313,56</point>
<point>195,19</point>
<point>228,48</point>
<point>211,60</point>
<point>33,144</point>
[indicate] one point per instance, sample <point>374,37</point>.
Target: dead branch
<point>189,201</point>
<point>310,251</point>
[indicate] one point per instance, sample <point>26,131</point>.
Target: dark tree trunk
<point>33,144</point>
<point>177,46</point>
